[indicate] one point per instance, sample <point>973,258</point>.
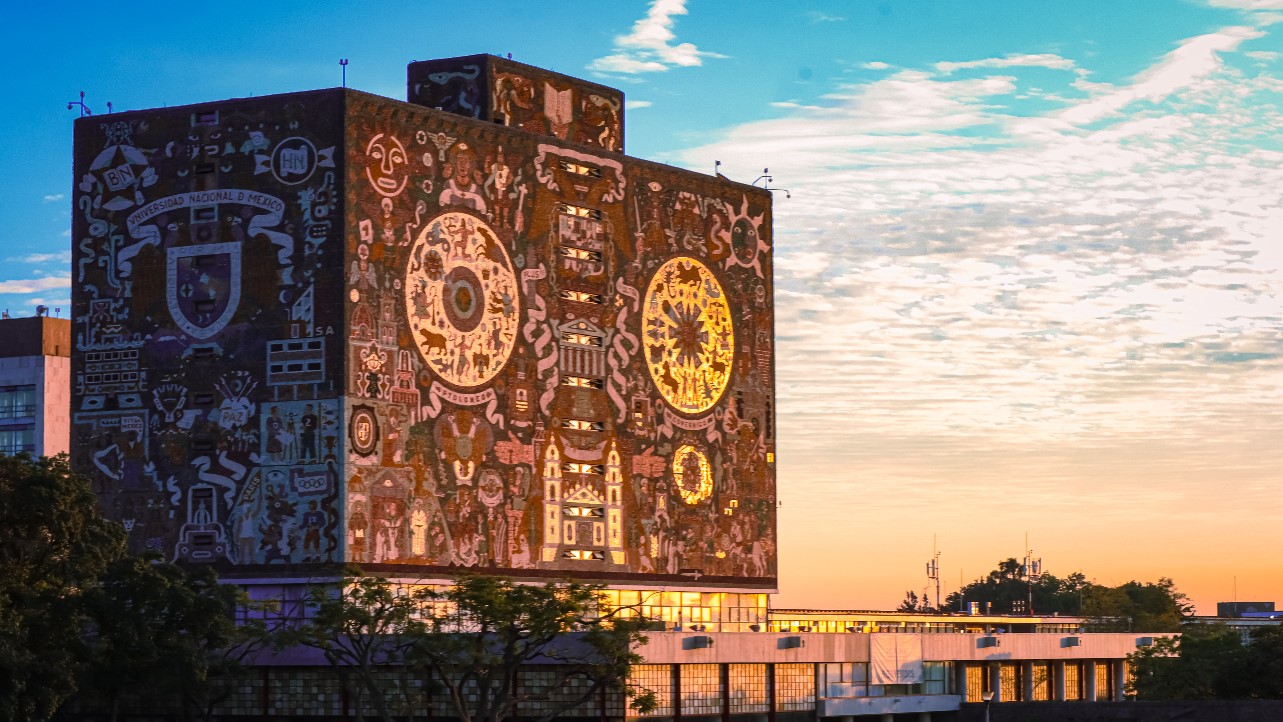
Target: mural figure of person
<point>313,520</point>
<point>273,428</point>
<point>308,422</point>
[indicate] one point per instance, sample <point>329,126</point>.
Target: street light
<point>988,698</point>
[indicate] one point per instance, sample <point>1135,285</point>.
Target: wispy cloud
<point>62,257</point>
<point>816,16</point>
<point>649,47</point>
<point>52,198</point>
<point>1079,303</point>
<point>35,285</point>
<point>875,65</point>
<point>1195,59</point>
<point>634,104</point>
<point>1041,60</point>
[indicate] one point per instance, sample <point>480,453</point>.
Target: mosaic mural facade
<point>333,327</point>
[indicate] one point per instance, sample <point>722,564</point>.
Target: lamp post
<point>988,698</point>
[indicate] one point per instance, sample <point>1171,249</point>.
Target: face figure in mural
<point>386,165</point>
<point>462,187</point>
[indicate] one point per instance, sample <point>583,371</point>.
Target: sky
<point>1029,268</point>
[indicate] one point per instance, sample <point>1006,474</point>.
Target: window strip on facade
<point>1073,681</point>
<point>748,688</point>
<point>658,680</point>
<point>701,692</point>
<point>794,687</point>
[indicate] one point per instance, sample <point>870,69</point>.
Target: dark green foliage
<point>1134,606</point>
<point>1209,661</point>
<point>158,628</point>
<point>486,628</point>
<point>474,636</point>
<point>78,614</point>
<point>53,547</point>
<point>361,624</point>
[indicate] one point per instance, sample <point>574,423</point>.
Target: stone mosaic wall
<point>559,358</point>
<point>207,326</point>
<point>329,326</point>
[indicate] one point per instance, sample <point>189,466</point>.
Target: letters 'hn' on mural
<point>459,332</point>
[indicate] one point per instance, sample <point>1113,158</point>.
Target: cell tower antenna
<point>933,569</point>
<point>343,64</point>
<point>1032,570</point>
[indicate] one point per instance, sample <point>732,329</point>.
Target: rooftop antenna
<point>343,63</point>
<point>766,173</point>
<point>1033,570</point>
<point>84,109</point>
<point>933,569</point>
<point>717,167</point>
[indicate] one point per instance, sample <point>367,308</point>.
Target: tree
<point>1134,606</point>
<point>54,546</point>
<point>158,627</point>
<point>361,626</point>
<point>912,603</point>
<point>1204,662</point>
<point>1210,661</point>
<point>484,630</point>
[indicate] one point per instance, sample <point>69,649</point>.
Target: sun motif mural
<point>688,335</point>
<point>461,299</point>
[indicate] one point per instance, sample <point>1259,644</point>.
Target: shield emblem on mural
<point>203,286</point>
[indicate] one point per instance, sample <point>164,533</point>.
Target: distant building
<point>35,385</point>
<point>1245,609</point>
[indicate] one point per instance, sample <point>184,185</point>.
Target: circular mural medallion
<point>363,430</point>
<point>461,298</point>
<point>693,475</point>
<point>686,324</point>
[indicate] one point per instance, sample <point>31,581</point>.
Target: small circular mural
<point>689,340</point>
<point>461,299</point>
<point>692,474</point>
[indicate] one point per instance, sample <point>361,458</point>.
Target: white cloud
<point>975,299</point>
<point>649,46</point>
<point>1043,60</point>
<point>875,65</point>
<point>1193,61</point>
<point>1248,4</point>
<point>61,257</point>
<point>51,198</point>
<point>634,104</point>
<point>35,285</point>
<point>816,16</point>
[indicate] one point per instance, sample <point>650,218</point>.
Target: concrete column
<point>960,679</point>
<point>1027,681</point>
<point>924,717</point>
<point>1120,679</point>
<point>1058,681</point>
<point>1089,684</point>
<point>995,681</point>
<point>888,718</point>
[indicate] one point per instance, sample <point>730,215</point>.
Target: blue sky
<point>1030,278</point>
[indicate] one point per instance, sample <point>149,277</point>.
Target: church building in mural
<point>459,332</point>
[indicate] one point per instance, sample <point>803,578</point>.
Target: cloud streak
<point>1079,305</point>
<point>650,46</point>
